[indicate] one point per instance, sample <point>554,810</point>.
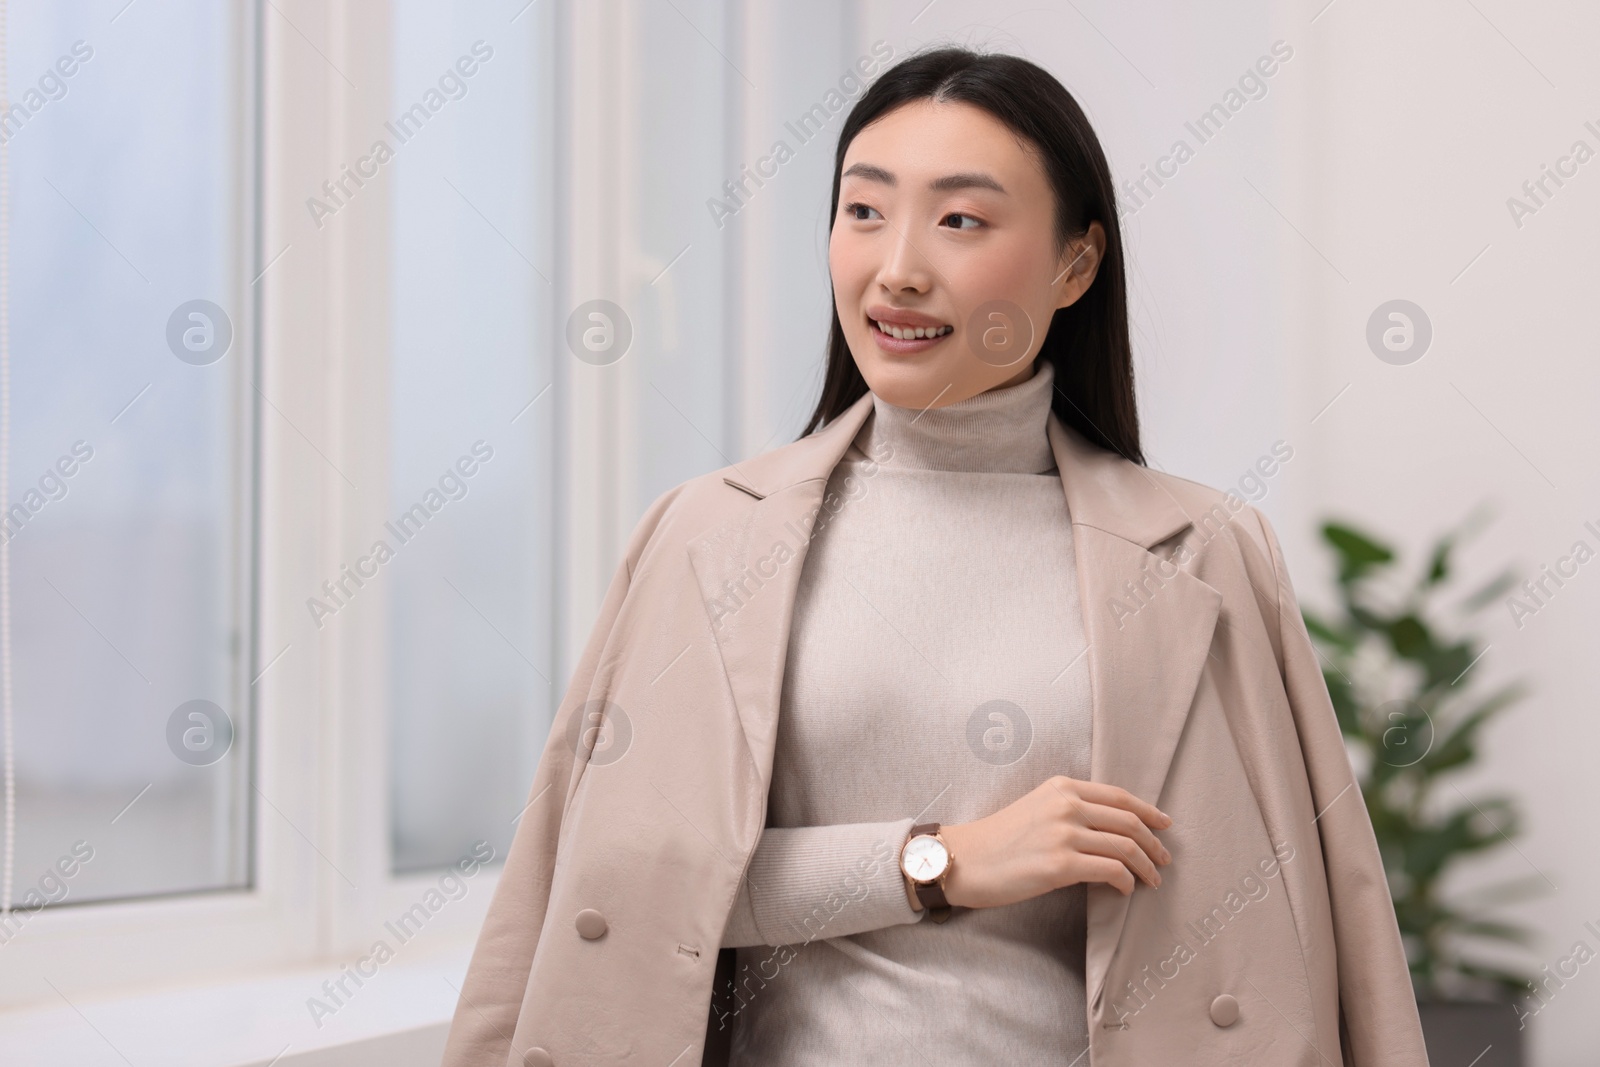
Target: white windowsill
<point>397,1018</point>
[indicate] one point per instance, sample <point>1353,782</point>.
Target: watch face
<point>925,858</point>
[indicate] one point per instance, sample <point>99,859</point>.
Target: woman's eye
<point>852,208</point>
<point>968,218</point>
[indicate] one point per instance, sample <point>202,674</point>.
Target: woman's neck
<point>1002,430</point>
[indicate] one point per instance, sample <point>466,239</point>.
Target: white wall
<point>1419,122</point>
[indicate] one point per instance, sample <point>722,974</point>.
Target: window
<point>129,515</point>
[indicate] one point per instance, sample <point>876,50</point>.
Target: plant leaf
<point>1358,553</point>
<point>1496,931</point>
<point>1439,565</point>
<point>1490,592</point>
<point>1326,633</point>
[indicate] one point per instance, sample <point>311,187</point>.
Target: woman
<point>862,760</point>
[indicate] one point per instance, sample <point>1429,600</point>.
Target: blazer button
<point>590,923</point>
<point>1224,1010</point>
<point>537,1057</point>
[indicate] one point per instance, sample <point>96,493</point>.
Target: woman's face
<point>947,222</point>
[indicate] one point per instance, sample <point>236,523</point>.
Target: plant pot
<point>1458,1033</point>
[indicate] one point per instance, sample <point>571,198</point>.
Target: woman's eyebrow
<point>948,183</point>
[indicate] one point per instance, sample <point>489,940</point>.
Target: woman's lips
<point>904,346</point>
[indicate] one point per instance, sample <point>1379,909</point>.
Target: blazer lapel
<point>1148,623</point>
<point>748,569</point>
<point>1149,626</point>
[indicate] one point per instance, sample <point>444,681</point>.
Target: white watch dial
<point>925,858</point>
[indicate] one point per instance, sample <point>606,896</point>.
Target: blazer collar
<point>1149,623</point>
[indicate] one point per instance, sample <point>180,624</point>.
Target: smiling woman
<point>930,710</point>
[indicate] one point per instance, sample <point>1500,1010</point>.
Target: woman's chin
<point>917,382</point>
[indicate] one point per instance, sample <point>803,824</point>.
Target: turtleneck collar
<point>1002,430</point>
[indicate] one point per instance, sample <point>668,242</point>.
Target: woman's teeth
<point>906,333</point>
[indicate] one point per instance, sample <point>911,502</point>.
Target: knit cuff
<point>812,882</point>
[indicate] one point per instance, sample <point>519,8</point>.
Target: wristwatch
<point>925,858</point>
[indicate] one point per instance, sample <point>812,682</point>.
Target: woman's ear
<point>1080,262</point>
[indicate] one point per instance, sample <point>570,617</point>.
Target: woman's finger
<point>1117,797</point>
<point>1115,846</point>
<point>1126,823</point>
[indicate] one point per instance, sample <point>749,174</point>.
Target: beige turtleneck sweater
<point>935,672</point>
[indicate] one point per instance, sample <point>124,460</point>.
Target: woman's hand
<point>1064,832</point>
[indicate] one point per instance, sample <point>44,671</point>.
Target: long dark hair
<point>1087,342</point>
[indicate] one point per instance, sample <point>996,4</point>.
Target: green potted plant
<point>1401,669</point>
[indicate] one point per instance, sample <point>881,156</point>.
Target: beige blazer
<point>1272,939</point>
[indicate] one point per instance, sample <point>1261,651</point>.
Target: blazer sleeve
<point>490,999</point>
<point>1377,1005</point>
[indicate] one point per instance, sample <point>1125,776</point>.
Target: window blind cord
<point>5,471</point>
